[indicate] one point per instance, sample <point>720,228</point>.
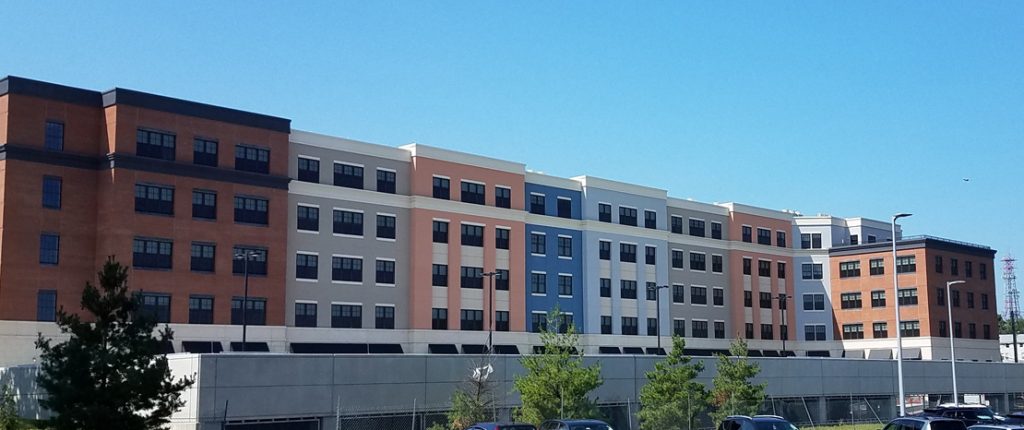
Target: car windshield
<point>948,425</point>
<point>589,427</point>
<point>979,413</point>
<point>774,425</point>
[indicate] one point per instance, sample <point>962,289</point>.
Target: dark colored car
<point>756,422</point>
<point>925,422</point>
<point>996,427</point>
<point>1014,418</point>
<point>501,426</point>
<point>970,414</point>
<point>575,425</point>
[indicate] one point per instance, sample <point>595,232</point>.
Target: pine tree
<point>672,397</point>
<point>556,383</point>
<point>110,373</point>
<point>8,409</point>
<point>733,393</point>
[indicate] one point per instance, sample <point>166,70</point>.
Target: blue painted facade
<point>550,262</point>
<point>551,195</point>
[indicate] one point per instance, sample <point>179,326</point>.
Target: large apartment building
<point>353,247</point>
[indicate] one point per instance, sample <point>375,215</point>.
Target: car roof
<point>492,424</point>
<point>578,421</point>
<point>962,405</point>
<point>999,426</point>
<point>925,418</point>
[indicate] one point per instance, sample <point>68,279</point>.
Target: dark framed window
<point>698,261</point>
<point>538,283</point>
<point>910,328</point>
<point>472,277</point>
<point>348,175</point>
<point>439,319</point>
<point>987,331</point>
<point>968,269</point>
<point>604,212</point>
<point>678,259</point>
<point>52,191</point>
<point>473,192</point>
<point>151,253</point>
<point>938,264</point>
<point>386,181</point>
<point>767,332</point>
<point>307,218</point>
<point>564,285</point>
<point>627,289</point>
<point>306,266</point>
<point>538,243</point>
<point>854,239</point>
<point>716,264</point>
<point>627,216</point>
<point>564,246</point>
<point>650,219</point>
<point>850,300</point>
<point>764,300</point>
<point>878,299</point>
<point>814,332</point>
<point>810,241</point>
<point>764,268</point>
<point>204,204</point>
<point>699,295</point>
<point>849,269</point>
<point>604,250</point>
<point>958,331</point>
<point>54,136</point>
<point>250,158</point>
<point>440,231</point>
<point>780,239</point>
<point>876,266</point>
<point>699,329</point>
<point>943,329</point>
<point>716,230</point>
<point>202,257</point>
<point>439,275</point>
<point>718,296</point>
<point>748,330</point>
<point>503,197</point>
<point>627,253</point>
<point>49,249</point>
<point>764,236</point>
<point>256,257</point>
<point>501,238</point>
<point>629,326</point>
<point>472,235</point>
<point>605,287</point>
<point>853,331</point>
<point>252,210</point>
<point>154,199</point>
<point>982,271</point>
<point>652,326</point>
<point>811,271</point>
<point>679,328</point>
<point>606,324</point>
<point>970,300</point>
<point>501,279</point>
<point>954,298</point>
<point>676,224</point>
<point>719,329</point>
<point>984,301</point>
<point>879,330</point>
<point>906,264</point>
<point>305,314</point>
<point>384,317</point>
<point>748,234</point>
<point>538,322</point>
<point>747,263</point>
<point>348,269</point>
<point>46,305</point>
<point>347,316</point>
<point>781,270</point>
<point>385,272</point>
<point>972,330</point>
<point>385,226</point>
<point>442,188</point>
<point>309,170</point>
<point>564,209</point>
<point>954,267</point>
<point>348,222</point>
<point>906,296</point>
<point>200,310</point>
<point>501,321</point>
<point>471,319</point>
<point>204,152</point>
<point>650,255</point>
<point>154,144</point>
<point>678,294</point>
<point>940,296</point>
<point>156,306</point>
<point>696,227</point>
<point>537,204</point>
<point>652,291</point>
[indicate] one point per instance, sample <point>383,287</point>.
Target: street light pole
<point>899,334</point>
<point>952,353</point>
<point>245,296</point>
<point>494,313</point>
<point>783,304</point>
<point>657,312</point>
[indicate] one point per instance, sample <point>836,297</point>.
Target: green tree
<point>672,397</point>
<point>474,402</point>
<point>556,382</point>
<point>8,410</point>
<point>733,393</point>
<point>1005,326</point>
<point>110,373</point>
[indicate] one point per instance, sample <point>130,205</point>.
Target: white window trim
<point>389,214</point>
<point>308,157</point>
<point>440,177</point>
<point>470,181</point>
<point>387,169</point>
<point>472,223</point>
<point>308,205</point>
<point>308,253</point>
<point>347,303</point>
<point>349,163</point>
<point>442,220</point>
<point>308,302</point>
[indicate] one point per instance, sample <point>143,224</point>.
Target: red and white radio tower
<point>1012,295</point>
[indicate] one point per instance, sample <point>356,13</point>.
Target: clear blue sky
<point>848,108</point>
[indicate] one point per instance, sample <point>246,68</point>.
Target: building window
<point>780,239</point>
<point>384,317</point>
<point>880,330</point>
<point>204,152</point>
<point>501,238</point>
<point>309,170</point>
<point>676,224</point>
<point>604,212</point>
<point>151,253</point>
<point>716,230</point>
<point>49,249</point>
<point>853,331</point>
<point>627,289</point>
<point>986,331</point>
<point>650,255</point>
<point>764,236</point>
<point>606,324</point>
<point>256,258</point>
<point>677,259</point>
<point>854,239</point>
<point>699,295</point>
<point>348,176</point>
<point>538,322</point>
<point>202,257</point>
<point>471,277</point>
<point>385,272</point>
<point>954,267</point>
<point>472,235</point>
<point>307,218</point>
<point>156,306</point>
<point>564,285</point>
<point>652,291</point>
<point>154,144</point>
<point>629,326</point>
<point>604,250</point>
<point>849,269</point>
<point>678,294</point>
<point>627,216</point>
<point>305,314</point>
<point>440,232</point>
<point>984,301</point>
<point>764,300</point>
<point>767,332</point>
<point>439,275</point>
<point>348,222</point>
<point>204,204</point>
<point>252,159</point>
<point>538,241</point>
<point>51,191</point>
<point>650,219</point>
<point>748,330</point>
<point>850,300</point>
<point>46,305</point>
<point>940,296</point>
<point>972,330</point>
<point>943,331</point>
<point>747,266</point>
<point>719,329</point>
<point>718,296</point>
<point>385,226</point>
<point>747,234</point>
<point>538,283</point>
<point>386,181</point>
<point>955,298</point>
<point>696,227</point>
<point>878,299</point>
<point>200,310</point>
<point>698,261</point>
<point>970,300</point>
<point>877,267</point>
<point>537,204</point>
<point>54,136</point>
<point>781,270</point>
<point>906,297</point>
<point>716,264</point>
<point>814,302</point>
<point>564,207</point>
<point>968,269</point>
<point>564,246</point>
<point>958,331</point>
<point>910,328</point>
<point>814,332</point>
<point>471,319</point>
<point>305,266</point>
<point>699,329</point>
<point>503,197</point>
<point>810,241</point>
<point>347,316</point>
<point>764,268</point>
<point>251,210</point>
<point>748,299</point>
<point>811,271</point>
<point>501,279</point>
<point>938,264</point>
<point>473,192</point>
<point>606,287</point>
<point>154,199</point>
<point>627,253</point>
<point>442,188</point>
<point>439,319</point>
<point>501,321</point>
<point>906,264</point>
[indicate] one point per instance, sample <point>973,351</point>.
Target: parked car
<point>502,426</point>
<point>970,414</point>
<point>996,427</point>
<point>1014,418</point>
<point>575,425</point>
<point>756,422</point>
<point>925,422</point>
